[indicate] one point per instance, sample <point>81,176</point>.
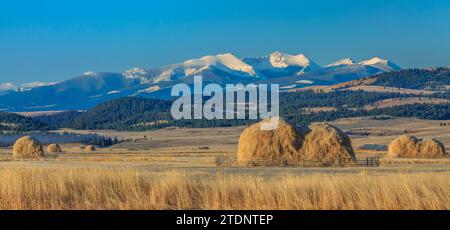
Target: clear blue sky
<point>49,40</point>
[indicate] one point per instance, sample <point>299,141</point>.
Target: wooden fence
<point>343,162</point>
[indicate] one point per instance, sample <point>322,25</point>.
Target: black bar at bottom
<point>209,219</point>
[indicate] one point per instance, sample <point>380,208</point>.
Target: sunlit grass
<point>33,188</point>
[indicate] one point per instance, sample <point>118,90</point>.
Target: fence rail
<point>343,162</point>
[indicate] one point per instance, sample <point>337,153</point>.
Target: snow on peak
<point>282,60</point>
<point>345,61</point>
<point>8,86</point>
<point>374,61</point>
<point>137,73</point>
<point>90,73</point>
<point>381,64</point>
<point>227,60</point>
<point>37,84</point>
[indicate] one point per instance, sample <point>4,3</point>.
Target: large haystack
<point>280,144</point>
<point>322,142</point>
<point>54,148</point>
<point>411,147</point>
<point>27,148</point>
<point>89,148</point>
<point>327,143</point>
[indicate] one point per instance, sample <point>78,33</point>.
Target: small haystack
<point>322,142</point>
<point>411,147</point>
<point>27,148</point>
<point>327,143</point>
<point>280,144</point>
<point>431,148</point>
<point>54,148</point>
<point>89,148</point>
<point>404,146</point>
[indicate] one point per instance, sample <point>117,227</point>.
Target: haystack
<point>431,148</point>
<point>27,148</point>
<point>404,146</point>
<point>327,143</point>
<point>411,147</point>
<point>89,148</point>
<point>322,142</point>
<point>280,144</point>
<point>54,148</point>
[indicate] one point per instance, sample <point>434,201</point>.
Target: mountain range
<point>92,88</point>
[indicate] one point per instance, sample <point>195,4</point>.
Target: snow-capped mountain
<point>31,85</point>
<point>91,88</point>
<point>382,64</point>
<point>342,62</point>
<point>224,62</point>
<point>7,87</point>
<point>279,64</point>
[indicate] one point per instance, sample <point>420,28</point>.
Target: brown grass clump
<point>54,148</point>
<point>327,143</point>
<point>279,144</point>
<point>322,142</point>
<point>89,148</point>
<point>411,147</point>
<point>27,148</point>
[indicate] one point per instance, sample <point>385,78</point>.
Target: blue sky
<point>50,40</point>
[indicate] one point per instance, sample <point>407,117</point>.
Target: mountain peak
<point>90,74</point>
<point>226,60</point>
<point>374,61</point>
<point>342,62</point>
<point>137,73</point>
<point>380,63</point>
<point>282,60</point>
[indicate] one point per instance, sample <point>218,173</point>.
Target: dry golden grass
<point>33,188</point>
<point>410,161</point>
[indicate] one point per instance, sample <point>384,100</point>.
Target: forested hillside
<point>424,79</point>
<point>11,122</point>
<point>133,113</point>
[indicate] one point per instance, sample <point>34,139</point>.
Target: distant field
<point>41,113</point>
<point>405,101</point>
<point>383,89</point>
<point>380,132</point>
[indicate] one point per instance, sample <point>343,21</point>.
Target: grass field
<point>172,169</point>
<point>128,189</point>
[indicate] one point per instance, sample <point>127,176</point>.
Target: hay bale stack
<point>404,146</point>
<point>54,148</point>
<point>89,148</point>
<point>326,143</point>
<point>322,142</point>
<point>411,147</point>
<point>27,148</point>
<point>280,144</point>
<point>431,148</point>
